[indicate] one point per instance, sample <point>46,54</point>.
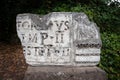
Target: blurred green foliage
<point>110,56</point>
<point>106,16</point>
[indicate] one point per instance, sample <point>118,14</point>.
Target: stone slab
<point>64,73</point>
<point>59,38</point>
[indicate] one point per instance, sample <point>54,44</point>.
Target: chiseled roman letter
<point>66,24</point>
<point>44,36</point>
<point>33,38</point>
<point>59,25</point>
<point>23,38</point>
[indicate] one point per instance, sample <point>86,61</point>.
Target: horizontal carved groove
<point>86,62</point>
<point>87,54</point>
<point>88,45</point>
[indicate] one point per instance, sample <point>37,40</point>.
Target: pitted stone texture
<point>64,73</point>
<point>59,38</point>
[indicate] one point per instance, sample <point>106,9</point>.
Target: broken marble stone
<point>59,38</point>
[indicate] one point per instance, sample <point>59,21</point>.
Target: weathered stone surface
<point>59,38</point>
<point>64,73</point>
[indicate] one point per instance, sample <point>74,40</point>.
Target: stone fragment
<point>59,38</point>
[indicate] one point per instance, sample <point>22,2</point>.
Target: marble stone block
<point>59,38</point>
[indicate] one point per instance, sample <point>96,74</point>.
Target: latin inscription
<point>33,37</point>
<point>51,44</point>
<point>46,51</point>
<point>59,38</point>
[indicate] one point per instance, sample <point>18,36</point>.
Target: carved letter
<point>44,36</point>
<point>62,38</point>
<point>66,24</point>
<point>33,39</point>
<point>23,37</point>
<point>59,38</point>
<point>59,25</point>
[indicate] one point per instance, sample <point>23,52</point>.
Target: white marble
<point>88,50</point>
<point>87,58</point>
<point>59,38</point>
